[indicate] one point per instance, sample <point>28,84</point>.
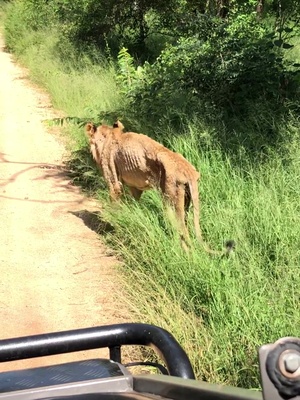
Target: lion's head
<point>98,135</point>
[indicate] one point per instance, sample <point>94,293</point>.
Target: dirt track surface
<point>55,275</point>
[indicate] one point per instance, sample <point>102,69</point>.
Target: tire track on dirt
<point>55,274</point>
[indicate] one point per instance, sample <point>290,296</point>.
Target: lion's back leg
<point>174,194</point>
<point>179,205</point>
<point>187,201</point>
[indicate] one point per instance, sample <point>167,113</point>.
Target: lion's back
<point>140,143</point>
<point>139,154</point>
<point>136,160</point>
<point>177,166</point>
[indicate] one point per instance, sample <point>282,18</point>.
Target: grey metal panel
<point>185,389</point>
<point>110,396</point>
<point>59,374</point>
<point>120,384</point>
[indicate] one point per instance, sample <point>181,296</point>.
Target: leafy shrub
<point>234,66</point>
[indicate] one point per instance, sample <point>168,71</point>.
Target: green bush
<point>238,65</point>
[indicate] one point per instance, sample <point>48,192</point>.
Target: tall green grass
<point>76,81</point>
<point>220,310</point>
<point>227,307</point>
<point>3,8</point>
<point>77,89</point>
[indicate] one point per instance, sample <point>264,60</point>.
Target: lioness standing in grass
<point>143,164</point>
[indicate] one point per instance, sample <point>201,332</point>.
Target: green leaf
<point>270,35</point>
<point>287,46</point>
<point>278,42</point>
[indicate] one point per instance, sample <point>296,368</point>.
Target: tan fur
<point>143,164</point>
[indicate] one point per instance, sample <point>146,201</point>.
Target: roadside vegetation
<point>218,81</point>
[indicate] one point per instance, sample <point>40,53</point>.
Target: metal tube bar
<point>110,336</point>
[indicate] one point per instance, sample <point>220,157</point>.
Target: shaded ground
<point>55,272</point>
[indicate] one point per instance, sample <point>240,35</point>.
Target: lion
<point>142,164</point>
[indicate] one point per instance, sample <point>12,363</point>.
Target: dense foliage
<point>217,60</point>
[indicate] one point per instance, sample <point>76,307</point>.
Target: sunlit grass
<point>238,303</point>
<point>82,90</point>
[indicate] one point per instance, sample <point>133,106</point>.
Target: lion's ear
<point>90,129</point>
<point>118,124</point>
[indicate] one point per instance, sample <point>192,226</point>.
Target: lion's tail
<point>229,245</point>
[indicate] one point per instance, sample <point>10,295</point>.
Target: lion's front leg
<point>111,178</point>
<point>115,190</point>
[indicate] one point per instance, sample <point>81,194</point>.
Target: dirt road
<point>54,271</point>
